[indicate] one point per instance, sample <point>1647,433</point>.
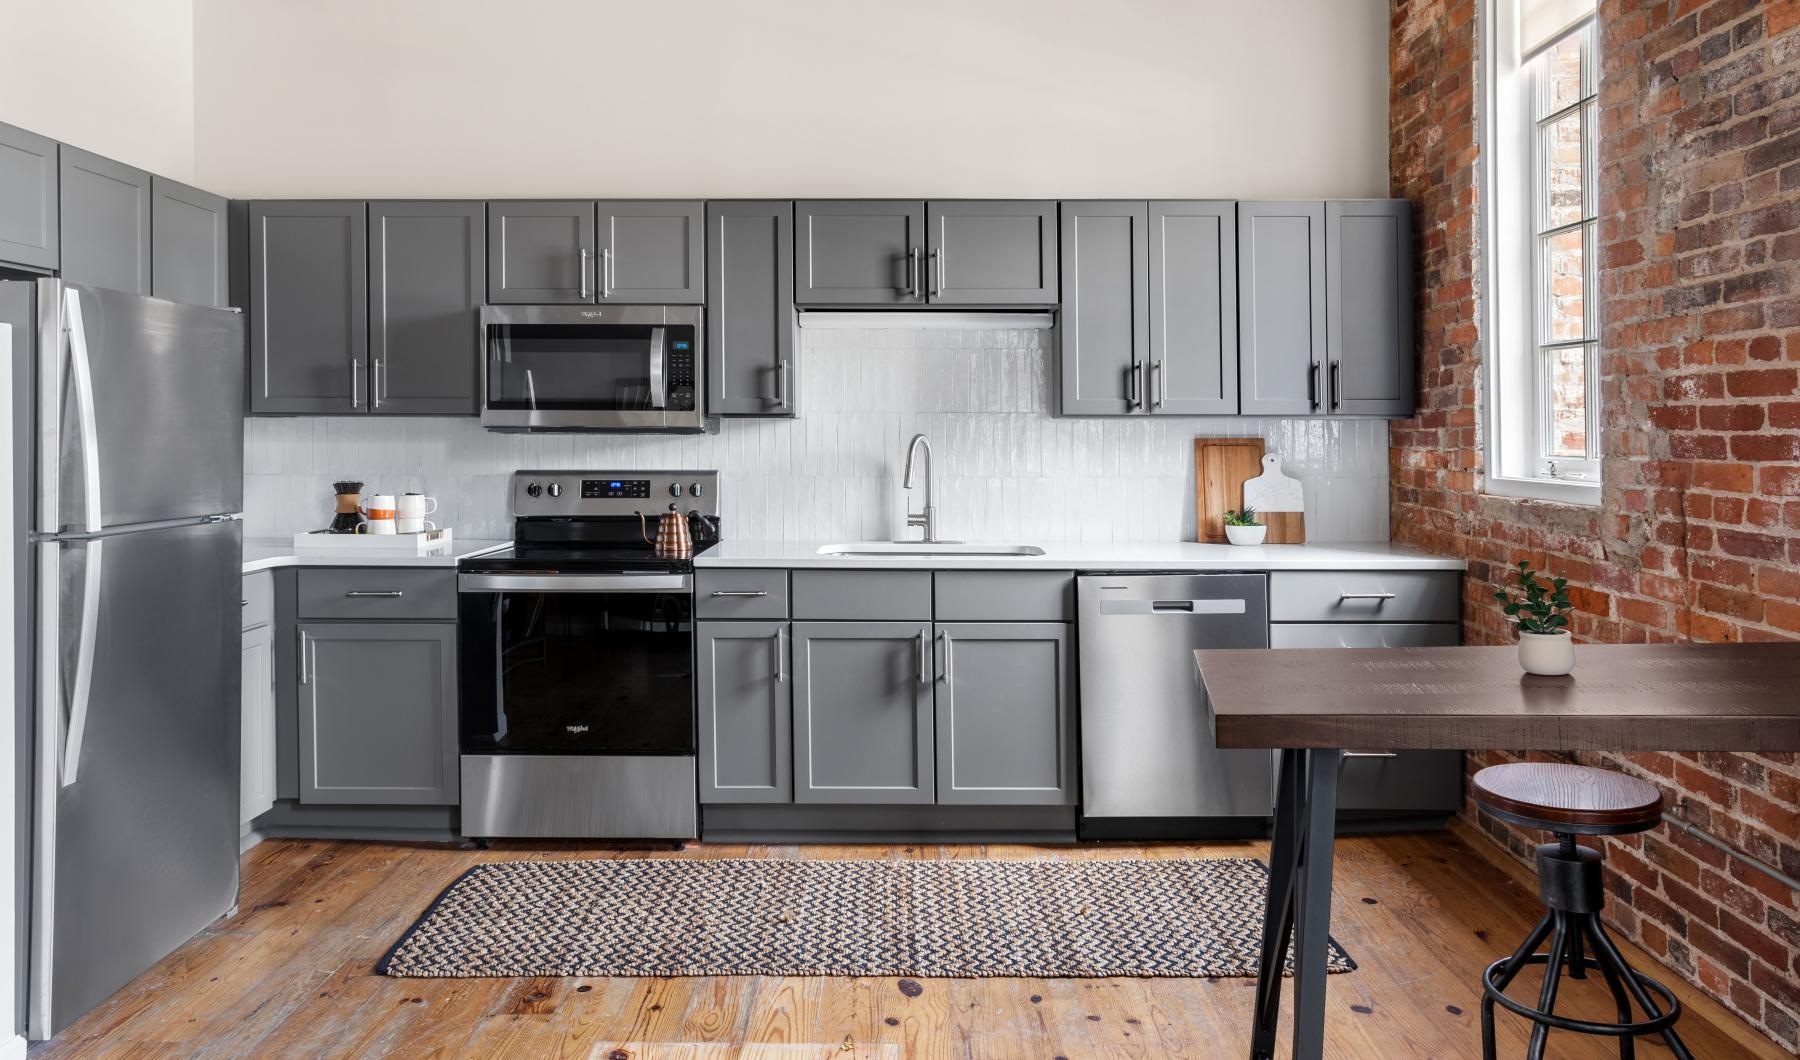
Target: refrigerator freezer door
<point>140,409</point>
<point>139,852</point>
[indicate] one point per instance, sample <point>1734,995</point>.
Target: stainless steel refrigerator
<point>131,410</point>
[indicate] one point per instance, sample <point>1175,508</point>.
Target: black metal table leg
<point>1278,906</point>
<point>1312,917</point>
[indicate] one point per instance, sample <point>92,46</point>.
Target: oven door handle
<point>659,388</point>
<point>573,583</point>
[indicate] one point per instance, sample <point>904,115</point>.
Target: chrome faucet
<point>928,517</point>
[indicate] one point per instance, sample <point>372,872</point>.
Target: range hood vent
<point>963,319</point>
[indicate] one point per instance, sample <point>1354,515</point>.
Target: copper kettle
<point>673,539</point>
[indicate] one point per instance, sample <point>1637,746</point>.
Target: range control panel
<point>540,494</point>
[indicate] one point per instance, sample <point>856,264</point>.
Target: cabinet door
<point>750,308</point>
<point>1281,308</point>
<point>256,735</point>
<point>427,277</point>
<point>1104,334</point>
<point>1369,308</point>
<point>1005,732</point>
<point>746,712</point>
<point>1193,309</point>
<point>189,248</point>
<point>991,253</point>
<point>651,253</point>
<point>378,713</point>
<point>862,712</point>
<point>309,307</point>
<point>28,210</point>
<point>541,253</point>
<point>105,222</point>
<point>860,253</point>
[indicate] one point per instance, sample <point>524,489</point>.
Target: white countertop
<point>1099,555</point>
<point>265,553</point>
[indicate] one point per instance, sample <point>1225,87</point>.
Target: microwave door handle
<point>659,391</point>
<point>530,391</point>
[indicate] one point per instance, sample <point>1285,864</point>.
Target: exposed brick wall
<point>1698,533</point>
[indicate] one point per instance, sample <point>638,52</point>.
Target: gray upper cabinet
<point>860,253</point>
<point>105,222</point>
<point>746,712</point>
<point>863,712</point>
<point>427,280</point>
<point>1193,308</point>
<point>378,713</point>
<point>309,327</point>
<point>750,309</point>
<point>1281,308</point>
<point>1005,714</point>
<point>541,253</point>
<point>1369,308</point>
<point>1104,330</point>
<point>999,252</point>
<point>189,245</point>
<point>28,199</point>
<point>651,253</point>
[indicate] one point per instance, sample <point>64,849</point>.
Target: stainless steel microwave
<point>592,368</point>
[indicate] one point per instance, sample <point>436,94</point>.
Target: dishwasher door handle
<point>1182,608</point>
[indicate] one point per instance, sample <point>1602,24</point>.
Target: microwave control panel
<point>681,369</point>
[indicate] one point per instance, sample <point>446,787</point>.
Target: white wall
<point>982,98</point>
<point>111,76</point>
<point>1005,468</point>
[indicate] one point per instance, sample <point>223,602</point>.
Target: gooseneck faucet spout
<point>928,517</point>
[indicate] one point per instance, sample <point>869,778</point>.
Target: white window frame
<point>1513,319</point>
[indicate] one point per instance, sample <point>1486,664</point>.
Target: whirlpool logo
<point>592,313</point>
<point>575,730</point>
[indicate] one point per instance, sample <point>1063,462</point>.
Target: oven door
<point>591,367</point>
<point>568,664</point>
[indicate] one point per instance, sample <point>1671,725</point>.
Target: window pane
<point>1590,122</point>
<point>1560,150</point>
<point>1559,75</point>
<point>1567,371</point>
<point>1564,287</point>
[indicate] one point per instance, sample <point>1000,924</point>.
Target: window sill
<point>1563,491</point>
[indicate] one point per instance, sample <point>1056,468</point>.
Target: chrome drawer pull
<point>375,592</point>
<point>1365,596</point>
<point>740,592</point>
<point>1371,754</point>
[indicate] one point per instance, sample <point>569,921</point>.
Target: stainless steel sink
<point>921,548</point>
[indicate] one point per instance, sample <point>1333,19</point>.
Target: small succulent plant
<point>1246,517</point>
<point>1542,605</point>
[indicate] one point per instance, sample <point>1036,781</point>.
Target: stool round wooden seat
<point>1558,797</point>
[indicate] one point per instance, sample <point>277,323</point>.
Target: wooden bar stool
<point>1570,800</point>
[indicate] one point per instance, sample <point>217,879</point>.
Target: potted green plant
<point>1540,613</point>
<point>1241,527</point>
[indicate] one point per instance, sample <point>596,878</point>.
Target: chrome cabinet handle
<point>1156,384</point>
<point>740,592</point>
<point>1365,596</point>
<point>582,254</point>
<point>781,383</point>
<point>923,643</point>
<point>1371,754</point>
<point>937,272</point>
<point>912,273</point>
<point>375,383</point>
<point>303,668</point>
<point>1337,400</point>
<point>395,593</point>
<point>949,658</point>
<point>1136,398</point>
<point>780,654</point>
<point>606,272</point>
<point>245,603</point>
<point>1312,385</point>
<point>355,383</point>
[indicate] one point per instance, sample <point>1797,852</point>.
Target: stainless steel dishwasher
<point>1149,765</point>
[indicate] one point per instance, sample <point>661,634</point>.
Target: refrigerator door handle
<point>81,377</point>
<point>82,686</point>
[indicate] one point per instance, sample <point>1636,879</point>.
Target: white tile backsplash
<point>1006,468</point>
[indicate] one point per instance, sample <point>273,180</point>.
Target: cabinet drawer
<point>748,593</point>
<point>1005,596</point>
<point>1365,596</point>
<point>259,599</point>
<point>365,593</point>
<point>862,596</point>
<point>1426,783</point>
<point>1365,635</point>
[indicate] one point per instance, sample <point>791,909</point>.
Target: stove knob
<point>555,489</point>
<point>674,489</point>
<point>696,489</point>
<point>533,490</point>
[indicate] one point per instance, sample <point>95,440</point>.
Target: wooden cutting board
<point>1279,506</point>
<point>1221,467</point>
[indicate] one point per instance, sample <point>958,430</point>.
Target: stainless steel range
<point>577,656</point>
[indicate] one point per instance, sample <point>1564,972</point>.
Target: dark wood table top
<point>1621,697</point>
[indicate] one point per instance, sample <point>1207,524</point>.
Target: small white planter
<point>1246,535</point>
<point>1546,654</point>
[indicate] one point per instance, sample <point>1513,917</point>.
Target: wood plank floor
<point>290,976</point>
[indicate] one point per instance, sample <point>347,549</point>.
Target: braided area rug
<point>673,916</point>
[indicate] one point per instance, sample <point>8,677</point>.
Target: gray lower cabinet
<point>750,321</point>
<point>1369,308</point>
<point>746,712</point>
<point>377,717</point>
<point>189,244</point>
<point>863,712</point>
<point>1005,714</point>
<point>28,199</point>
<point>427,281</point>
<point>1104,334</point>
<point>867,252</point>
<point>105,222</point>
<point>651,253</point>
<point>992,252</point>
<point>541,253</point>
<point>1193,308</point>
<point>309,326</point>
<point>1281,308</point>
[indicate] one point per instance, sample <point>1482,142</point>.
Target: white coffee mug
<point>375,526</point>
<point>407,525</point>
<point>378,506</point>
<point>416,506</point>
